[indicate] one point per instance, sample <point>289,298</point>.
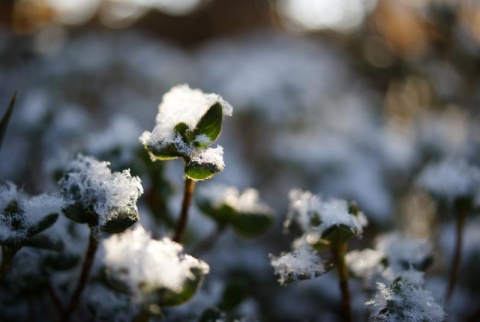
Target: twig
<point>82,282</point>
<point>187,200</point>
<point>339,250</point>
<point>7,257</point>
<point>457,256</point>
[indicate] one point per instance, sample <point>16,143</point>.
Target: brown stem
<point>339,250</point>
<point>7,257</point>
<point>457,256</point>
<point>187,200</point>
<point>82,282</point>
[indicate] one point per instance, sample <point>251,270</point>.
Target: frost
<point>211,156</point>
<point>21,214</point>
<point>405,300</point>
<point>181,105</point>
<point>138,260</point>
<point>300,264</point>
<point>312,213</point>
<point>450,179</point>
<point>91,183</point>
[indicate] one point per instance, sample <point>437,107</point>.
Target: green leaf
<point>42,241</point>
<point>43,224</point>
<point>6,118</point>
<point>120,222</point>
<point>251,225</point>
<point>167,297</point>
<point>164,152</point>
<point>338,233</point>
<point>184,130</point>
<point>210,124</point>
<point>222,214</point>
<point>77,213</point>
<point>200,171</point>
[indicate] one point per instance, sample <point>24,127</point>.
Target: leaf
<point>120,222</point>
<point>168,297</point>
<point>200,171</point>
<point>251,225</point>
<point>338,233</point>
<point>210,124</point>
<point>43,224</point>
<point>184,130</point>
<point>42,241</point>
<point>222,214</point>
<point>6,118</point>
<point>77,213</point>
<point>164,152</point>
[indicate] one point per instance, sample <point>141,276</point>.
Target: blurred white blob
<point>342,15</point>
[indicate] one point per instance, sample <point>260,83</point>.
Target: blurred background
<point>346,98</point>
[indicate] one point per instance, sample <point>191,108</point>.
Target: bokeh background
<point>346,98</point>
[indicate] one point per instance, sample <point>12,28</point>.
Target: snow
<point>302,263</point>
<point>450,179</point>
<point>210,156</point>
<point>181,104</point>
<point>405,300</point>
<point>91,183</point>
<point>31,210</point>
<point>313,213</point>
<point>137,259</point>
<point>247,201</point>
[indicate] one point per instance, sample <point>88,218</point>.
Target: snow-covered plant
<point>104,200</point>
<point>327,225</point>
<point>393,254</point>
<point>247,215</point>
<point>94,195</point>
<point>22,218</point>
<point>455,186</point>
<point>187,124</point>
<point>405,299</point>
<point>156,272</point>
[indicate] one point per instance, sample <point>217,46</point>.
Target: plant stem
<point>7,257</point>
<point>457,256</point>
<point>187,200</point>
<point>339,249</point>
<point>82,282</point>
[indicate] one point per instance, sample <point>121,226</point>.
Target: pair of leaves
<point>14,218</point>
<point>119,221</point>
<point>193,141</point>
<point>205,133</point>
<point>246,224</point>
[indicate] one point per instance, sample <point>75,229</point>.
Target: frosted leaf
<point>140,262</point>
<point>22,216</point>
<point>300,264</point>
<point>181,105</point>
<point>92,184</point>
<point>247,201</point>
<point>450,179</point>
<point>394,253</point>
<point>212,156</point>
<point>405,300</point>
<point>312,213</point>
<point>404,252</point>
